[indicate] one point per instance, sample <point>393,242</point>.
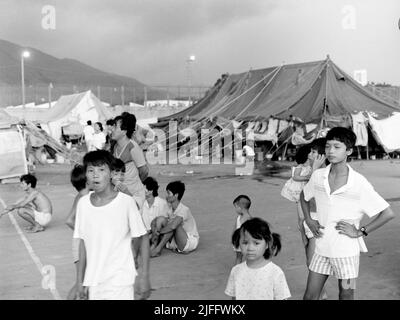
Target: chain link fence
<point>123,95</point>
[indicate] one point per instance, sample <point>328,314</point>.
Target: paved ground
<point>202,275</point>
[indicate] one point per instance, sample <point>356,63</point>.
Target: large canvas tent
<point>70,114</point>
<point>12,148</point>
<point>311,92</point>
<point>315,95</point>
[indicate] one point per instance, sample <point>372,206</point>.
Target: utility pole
<point>50,87</point>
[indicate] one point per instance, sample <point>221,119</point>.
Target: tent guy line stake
<point>28,246</point>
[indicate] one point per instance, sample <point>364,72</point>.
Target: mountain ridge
<point>42,68</point>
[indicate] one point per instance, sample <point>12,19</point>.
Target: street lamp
<point>190,60</point>
<point>25,54</point>
<point>50,87</point>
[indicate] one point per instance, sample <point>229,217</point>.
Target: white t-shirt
<point>158,209</point>
<point>99,140</point>
<point>189,224</point>
<point>265,283</point>
<point>88,131</point>
<point>107,232</point>
<point>249,151</point>
<point>349,203</point>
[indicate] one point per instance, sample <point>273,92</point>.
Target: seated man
<point>35,207</point>
<point>178,231</point>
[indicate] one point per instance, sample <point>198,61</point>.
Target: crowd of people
<point>119,221</point>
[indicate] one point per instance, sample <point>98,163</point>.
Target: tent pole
<point>284,151</point>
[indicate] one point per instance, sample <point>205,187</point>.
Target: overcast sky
<point>151,40</point>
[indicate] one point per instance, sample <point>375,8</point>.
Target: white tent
<point>12,148</point>
<point>71,112</point>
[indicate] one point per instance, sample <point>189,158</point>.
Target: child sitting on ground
<point>153,207</point>
<point>35,207</point>
<point>179,231</point>
<point>78,180</point>
<point>258,278</point>
<point>242,205</point>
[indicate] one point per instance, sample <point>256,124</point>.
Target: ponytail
<point>275,245</point>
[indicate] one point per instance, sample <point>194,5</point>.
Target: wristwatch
<point>364,232</point>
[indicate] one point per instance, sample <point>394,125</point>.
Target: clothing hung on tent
<point>386,131</point>
<point>360,129</point>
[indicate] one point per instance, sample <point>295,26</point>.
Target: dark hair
<point>89,122</point>
<point>176,187</point>
<point>29,179</point>
<point>236,238</point>
<point>243,201</point>
<point>127,122</point>
<point>100,125</point>
<point>110,122</point>
<point>347,136</point>
<point>78,177</point>
<point>302,154</point>
<point>118,165</point>
<point>318,145</point>
<point>98,158</point>
<point>151,184</point>
<point>259,229</point>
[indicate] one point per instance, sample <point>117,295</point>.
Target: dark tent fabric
<point>309,91</point>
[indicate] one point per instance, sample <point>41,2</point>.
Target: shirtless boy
<point>35,207</point>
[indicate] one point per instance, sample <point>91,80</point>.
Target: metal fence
<point>41,94</point>
<point>390,94</point>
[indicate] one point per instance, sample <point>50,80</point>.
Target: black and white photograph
<point>199,153</point>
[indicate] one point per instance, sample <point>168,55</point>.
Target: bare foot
<point>36,229</point>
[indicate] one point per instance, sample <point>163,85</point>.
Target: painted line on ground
<point>28,246</point>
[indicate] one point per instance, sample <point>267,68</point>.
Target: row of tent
<point>68,116</point>
<point>315,93</point>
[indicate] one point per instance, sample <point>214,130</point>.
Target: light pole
<point>25,54</point>
<point>50,87</point>
<point>191,59</point>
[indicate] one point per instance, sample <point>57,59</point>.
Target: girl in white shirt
<point>258,278</point>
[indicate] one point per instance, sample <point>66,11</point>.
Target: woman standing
<point>131,154</point>
<point>99,138</point>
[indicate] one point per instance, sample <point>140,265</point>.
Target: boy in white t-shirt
<point>178,231</point>
<point>106,223</point>
<point>342,197</point>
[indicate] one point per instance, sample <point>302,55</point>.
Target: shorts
<point>43,218</point>
<point>110,292</point>
<point>191,244</point>
<point>341,268</point>
<point>75,249</point>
